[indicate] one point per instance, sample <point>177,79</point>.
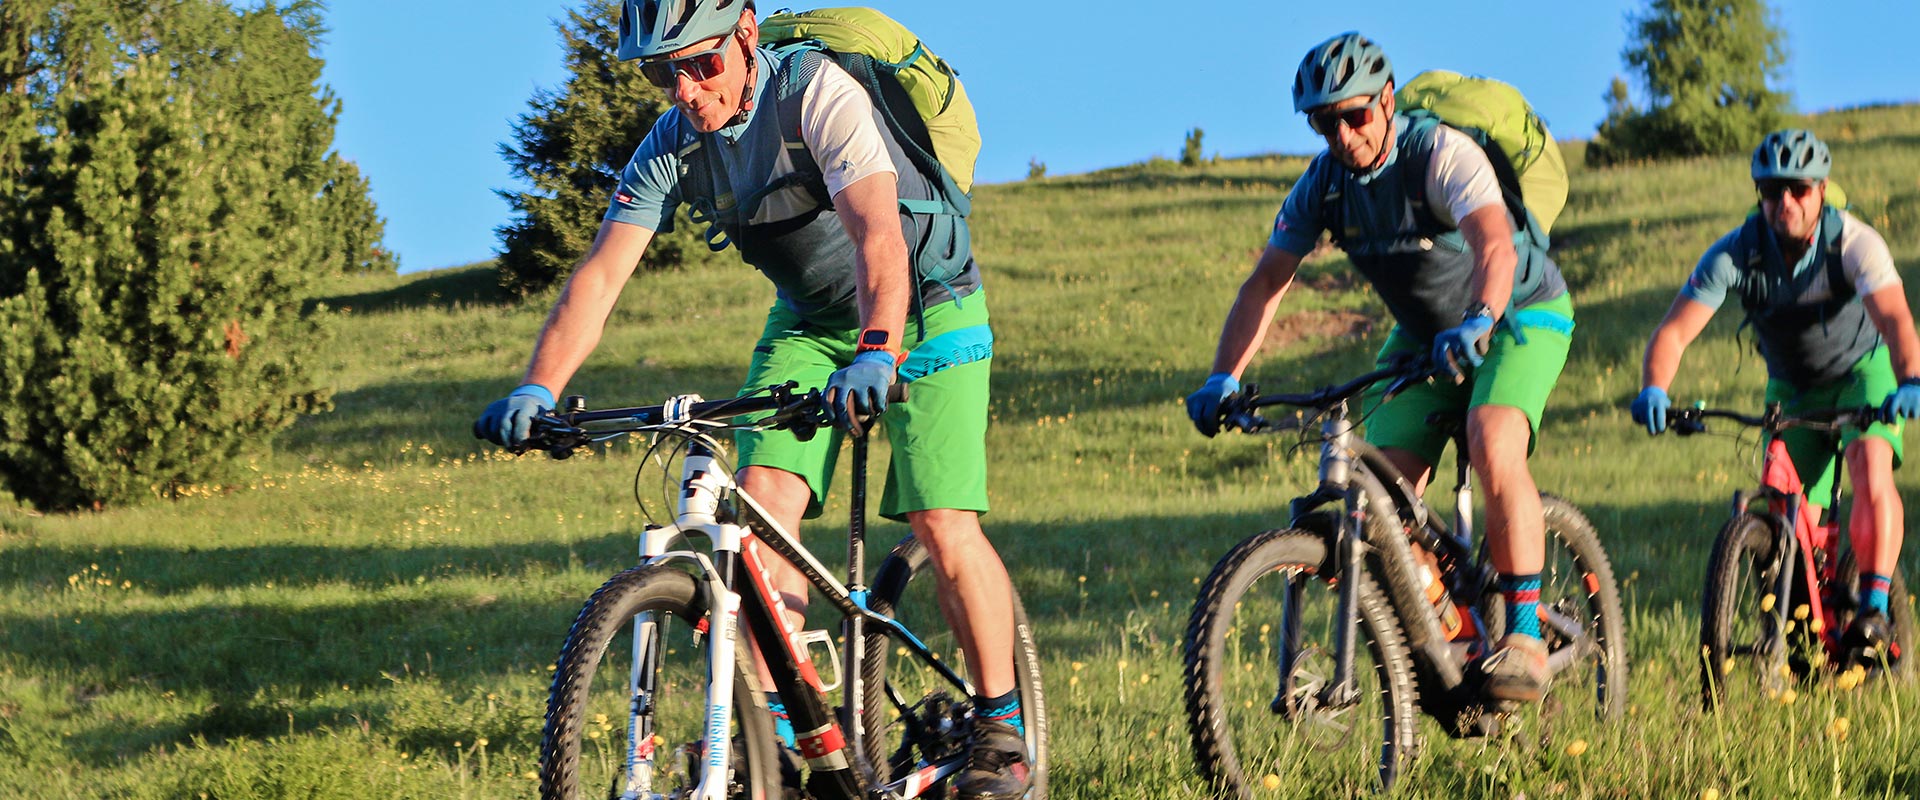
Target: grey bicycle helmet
<point>1348,65</point>
<point>652,28</point>
<point>1793,154</point>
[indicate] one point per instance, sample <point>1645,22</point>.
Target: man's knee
<point>1870,460</point>
<point>1497,439</point>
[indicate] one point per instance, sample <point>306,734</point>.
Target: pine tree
<point>1705,65</point>
<point>570,147</point>
<point>168,198</point>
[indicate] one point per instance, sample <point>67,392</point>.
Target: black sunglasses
<point>1774,190</point>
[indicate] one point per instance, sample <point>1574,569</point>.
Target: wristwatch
<point>878,340</point>
<point>1477,310</point>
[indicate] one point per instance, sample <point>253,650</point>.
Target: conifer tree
<point>166,197</point>
<point>570,147</point>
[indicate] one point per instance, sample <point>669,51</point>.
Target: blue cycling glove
<point>1204,406</point>
<point>508,420</point>
<point>1650,409</point>
<point>1461,341</point>
<point>1904,403</point>
<point>862,386</point>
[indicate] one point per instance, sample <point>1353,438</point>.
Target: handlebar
<point>1689,421</point>
<point>562,431</point>
<point>1237,410</point>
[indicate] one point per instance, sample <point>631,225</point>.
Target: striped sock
<point>1005,708</point>
<point>782,724</point>
<point>1873,591</point>
<point>1523,601</point>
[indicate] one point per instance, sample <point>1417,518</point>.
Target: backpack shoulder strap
<point>1831,225</point>
<point>1422,134</point>
<point>698,189</point>
<point>1749,256</point>
<point>1333,213</point>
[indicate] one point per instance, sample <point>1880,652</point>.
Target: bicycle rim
<point>906,700</point>
<point>584,745</point>
<point>1260,733</point>
<point>1581,618</point>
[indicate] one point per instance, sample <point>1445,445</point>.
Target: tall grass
<point>374,612</point>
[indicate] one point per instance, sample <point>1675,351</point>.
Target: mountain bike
<point>678,711</point>
<point>1315,645</point>
<point>1781,588</point>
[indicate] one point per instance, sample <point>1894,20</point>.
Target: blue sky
<point>431,87</point>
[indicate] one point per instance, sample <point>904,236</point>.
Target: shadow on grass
<point>476,285</point>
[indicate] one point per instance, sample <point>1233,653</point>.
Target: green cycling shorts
<point>1519,370</point>
<point>1816,454</point>
<point>938,437</point>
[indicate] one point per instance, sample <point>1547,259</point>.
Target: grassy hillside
<point>372,614</point>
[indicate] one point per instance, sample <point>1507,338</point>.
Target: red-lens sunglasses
<point>1326,122</point>
<point>701,66</point>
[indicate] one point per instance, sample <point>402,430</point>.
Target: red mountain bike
<point>1781,588</point>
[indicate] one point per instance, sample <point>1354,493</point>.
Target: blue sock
<point>1523,601</point>
<point>1873,591</point>
<point>782,724</point>
<point>1005,708</point>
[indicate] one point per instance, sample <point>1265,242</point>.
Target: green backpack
<point>876,51</point>
<point>1495,115</point>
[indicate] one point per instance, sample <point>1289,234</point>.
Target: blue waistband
<point>949,349</point>
<point>1540,318</point>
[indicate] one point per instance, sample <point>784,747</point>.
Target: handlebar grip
<point>897,393</point>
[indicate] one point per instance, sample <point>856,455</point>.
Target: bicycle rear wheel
<point>1899,607</point>
<point>1580,615</point>
<point>654,616</point>
<point>1252,725</point>
<point>911,713</point>
<point>1738,636</point>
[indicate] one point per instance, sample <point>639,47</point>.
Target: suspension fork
<point>1788,557</point>
<point>1336,480</point>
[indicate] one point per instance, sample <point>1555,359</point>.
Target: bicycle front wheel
<point>1738,636</point>
<point>1260,658</point>
<point>908,708</point>
<point>603,713</point>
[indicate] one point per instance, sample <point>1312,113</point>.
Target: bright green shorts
<point>938,437</point>
<point>1816,455</point>
<point>1520,370</point>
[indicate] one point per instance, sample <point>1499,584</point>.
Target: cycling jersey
<point>1416,259</point>
<point>782,227</point>
<point>1808,316</point>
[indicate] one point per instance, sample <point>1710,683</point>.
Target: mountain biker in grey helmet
<point>835,244</point>
<point>1455,280</point>
<point>1827,305</point>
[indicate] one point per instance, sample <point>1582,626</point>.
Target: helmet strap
<point>751,88</point>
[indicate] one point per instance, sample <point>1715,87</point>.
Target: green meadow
<point>373,611</point>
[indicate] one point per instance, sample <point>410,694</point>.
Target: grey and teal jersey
<point>1415,257</point>
<point>743,179</point>
<point>1808,316</point>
